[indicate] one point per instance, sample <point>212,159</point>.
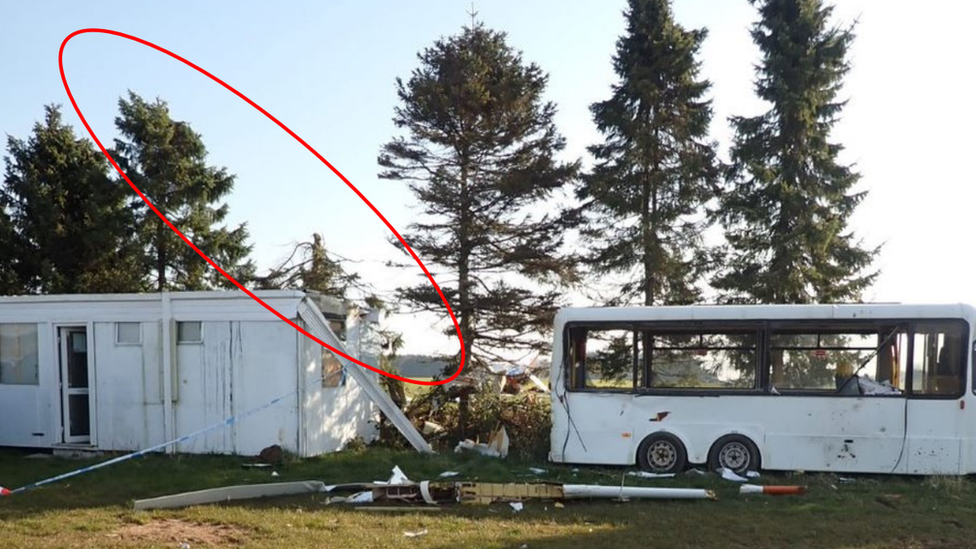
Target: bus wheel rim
<point>735,456</point>
<point>662,455</point>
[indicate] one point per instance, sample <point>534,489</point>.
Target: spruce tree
<point>166,160</point>
<point>479,153</point>
<point>10,279</point>
<point>656,168</point>
<point>310,266</point>
<point>71,221</point>
<point>788,199</point>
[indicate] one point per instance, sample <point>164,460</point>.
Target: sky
<point>327,70</point>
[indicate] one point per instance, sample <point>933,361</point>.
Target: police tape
<point>225,423</point>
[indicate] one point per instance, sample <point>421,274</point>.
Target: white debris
<point>516,506</point>
<point>496,447</point>
<point>275,474</point>
<point>470,445</point>
<point>398,477</point>
<point>448,474</point>
<point>361,497</point>
<point>645,474</point>
<point>537,471</point>
<point>728,474</point>
<point>752,474</point>
<point>416,534</point>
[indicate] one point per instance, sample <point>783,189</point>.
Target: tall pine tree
<point>656,168</point>
<point>72,224</point>
<point>788,199</point>
<point>479,154</point>
<point>10,279</point>
<point>166,160</point>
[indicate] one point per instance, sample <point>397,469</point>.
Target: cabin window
<point>18,354</point>
<point>128,333</point>
<point>868,360</point>
<point>700,360</point>
<point>939,358</point>
<point>189,332</point>
<point>333,374</point>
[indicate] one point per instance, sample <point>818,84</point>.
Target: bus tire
<point>662,453</point>
<point>735,452</point>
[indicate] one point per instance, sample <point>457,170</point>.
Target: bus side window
<point>604,359</point>
<point>939,358</point>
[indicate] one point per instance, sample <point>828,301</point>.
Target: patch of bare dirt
<point>175,532</point>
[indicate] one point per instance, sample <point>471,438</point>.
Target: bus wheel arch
<point>662,452</point>
<point>736,452</point>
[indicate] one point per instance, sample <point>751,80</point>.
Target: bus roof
<point>765,312</point>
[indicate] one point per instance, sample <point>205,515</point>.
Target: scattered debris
<point>752,474</point>
<point>538,383</point>
<point>431,428</point>
<point>496,447</point>
<point>230,493</point>
<point>272,455</point>
<point>645,474</point>
<point>275,474</point>
<point>558,505</point>
<point>537,471</point>
<point>488,492</point>
<point>4,491</point>
<point>255,465</point>
<point>846,480</point>
<point>516,506</point>
<point>772,490</point>
<point>448,474</point>
<point>360,497</point>
<point>696,473</point>
<point>577,491</point>
<point>398,477</point>
<point>729,474</point>
<point>416,534</point>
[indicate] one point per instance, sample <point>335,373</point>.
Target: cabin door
<point>75,392</point>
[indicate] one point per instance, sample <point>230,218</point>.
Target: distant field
<point>94,511</point>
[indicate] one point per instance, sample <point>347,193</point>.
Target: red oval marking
<point>310,149</point>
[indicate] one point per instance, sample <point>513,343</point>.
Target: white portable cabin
<point>129,371</point>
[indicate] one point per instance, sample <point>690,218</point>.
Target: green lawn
<point>94,511</point>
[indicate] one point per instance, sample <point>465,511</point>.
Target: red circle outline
<point>309,148</point>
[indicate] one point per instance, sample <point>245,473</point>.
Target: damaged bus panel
<point>841,388</point>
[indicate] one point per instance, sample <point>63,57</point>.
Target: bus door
<point>936,408</point>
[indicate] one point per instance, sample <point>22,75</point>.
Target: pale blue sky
<point>327,70</point>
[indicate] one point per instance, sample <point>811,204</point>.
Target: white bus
<point>842,388</point>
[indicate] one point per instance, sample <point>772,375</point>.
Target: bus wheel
<point>734,452</point>
<point>662,453</point>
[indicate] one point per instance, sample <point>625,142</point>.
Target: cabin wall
<point>29,414</point>
<point>238,366</point>
<point>333,415</point>
<point>128,391</point>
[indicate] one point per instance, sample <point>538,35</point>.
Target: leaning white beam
<point>316,325</point>
<point>231,493</point>
<point>583,491</point>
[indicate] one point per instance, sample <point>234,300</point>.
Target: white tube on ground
<point>578,491</point>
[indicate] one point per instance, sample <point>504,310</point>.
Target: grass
<point>94,510</point>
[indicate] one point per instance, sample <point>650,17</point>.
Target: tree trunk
<point>160,256</point>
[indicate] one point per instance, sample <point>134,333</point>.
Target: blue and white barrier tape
<point>227,422</point>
